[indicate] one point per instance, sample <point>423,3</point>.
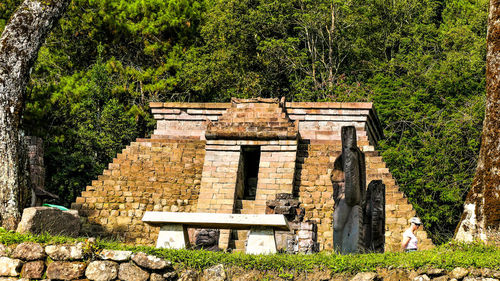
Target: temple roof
<point>253,119</point>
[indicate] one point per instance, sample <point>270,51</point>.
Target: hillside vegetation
<point>422,63</point>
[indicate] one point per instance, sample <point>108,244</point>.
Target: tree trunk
<point>481,217</point>
<point>19,45</point>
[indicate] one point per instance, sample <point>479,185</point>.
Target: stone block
<point>102,270</point>
<point>10,267</point>
<point>214,273</point>
<point>33,270</point>
<point>261,241</point>
<point>29,251</point>
<point>65,270</point>
<point>150,262</point>
<point>131,272</point>
<point>39,220</point>
<point>365,276</point>
<point>65,252</point>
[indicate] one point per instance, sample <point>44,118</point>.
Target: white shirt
<point>413,239</point>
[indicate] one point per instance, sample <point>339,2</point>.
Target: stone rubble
<point>302,237</point>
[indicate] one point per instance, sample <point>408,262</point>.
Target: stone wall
<point>192,160</point>
<point>82,261</point>
<point>149,175</point>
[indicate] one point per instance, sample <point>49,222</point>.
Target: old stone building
<point>237,158</point>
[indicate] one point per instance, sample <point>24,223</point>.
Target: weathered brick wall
<point>315,190</point>
<point>398,210</point>
<point>149,175</point>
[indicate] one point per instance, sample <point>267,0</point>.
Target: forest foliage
<point>422,63</point>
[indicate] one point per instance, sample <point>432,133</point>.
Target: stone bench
<point>173,228</point>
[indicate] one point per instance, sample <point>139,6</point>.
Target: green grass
<point>447,256</point>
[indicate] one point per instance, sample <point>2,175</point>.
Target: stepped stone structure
<point>239,157</point>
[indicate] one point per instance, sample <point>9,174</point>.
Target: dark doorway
<point>250,156</point>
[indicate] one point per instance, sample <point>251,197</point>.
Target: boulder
<point>29,251</point>
<point>39,220</point>
<point>170,276</point>
<point>131,272</point>
<point>459,273</point>
<point>33,270</point>
<point>214,273</point>
<point>115,255</point>
<point>3,251</point>
<point>365,276</point>
<point>150,262</point>
<point>10,267</point>
<point>65,252</point>
<point>188,275</point>
<point>102,270</point>
<point>487,272</point>
<point>156,277</point>
<point>422,278</point>
<point>435,272</point>
<point>475,272</point>
<point>65,270</point>
<point>393,275</point>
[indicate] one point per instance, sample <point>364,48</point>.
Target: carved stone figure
<point>207,239</point>
<point>374,217</point>
<point>349,194</point>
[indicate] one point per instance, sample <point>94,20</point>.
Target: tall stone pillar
<point>349,196</point>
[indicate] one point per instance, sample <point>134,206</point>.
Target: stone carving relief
<point>374,217</point>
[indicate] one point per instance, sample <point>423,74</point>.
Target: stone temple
<point>314,162</point>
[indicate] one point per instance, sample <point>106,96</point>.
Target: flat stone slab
<point>219,221</point>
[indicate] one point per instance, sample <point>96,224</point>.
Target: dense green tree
<point>422,63</point>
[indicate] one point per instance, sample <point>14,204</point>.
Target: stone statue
<point>207,239</point>
<point>349,194</point>
<point>374,218</point>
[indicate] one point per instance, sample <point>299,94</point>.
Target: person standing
<point>410,241</point>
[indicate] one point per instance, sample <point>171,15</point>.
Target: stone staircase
<point>239,237</point>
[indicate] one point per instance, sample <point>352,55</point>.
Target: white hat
<point>415,220</point>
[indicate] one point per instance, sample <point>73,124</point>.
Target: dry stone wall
<point>33,261</point>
